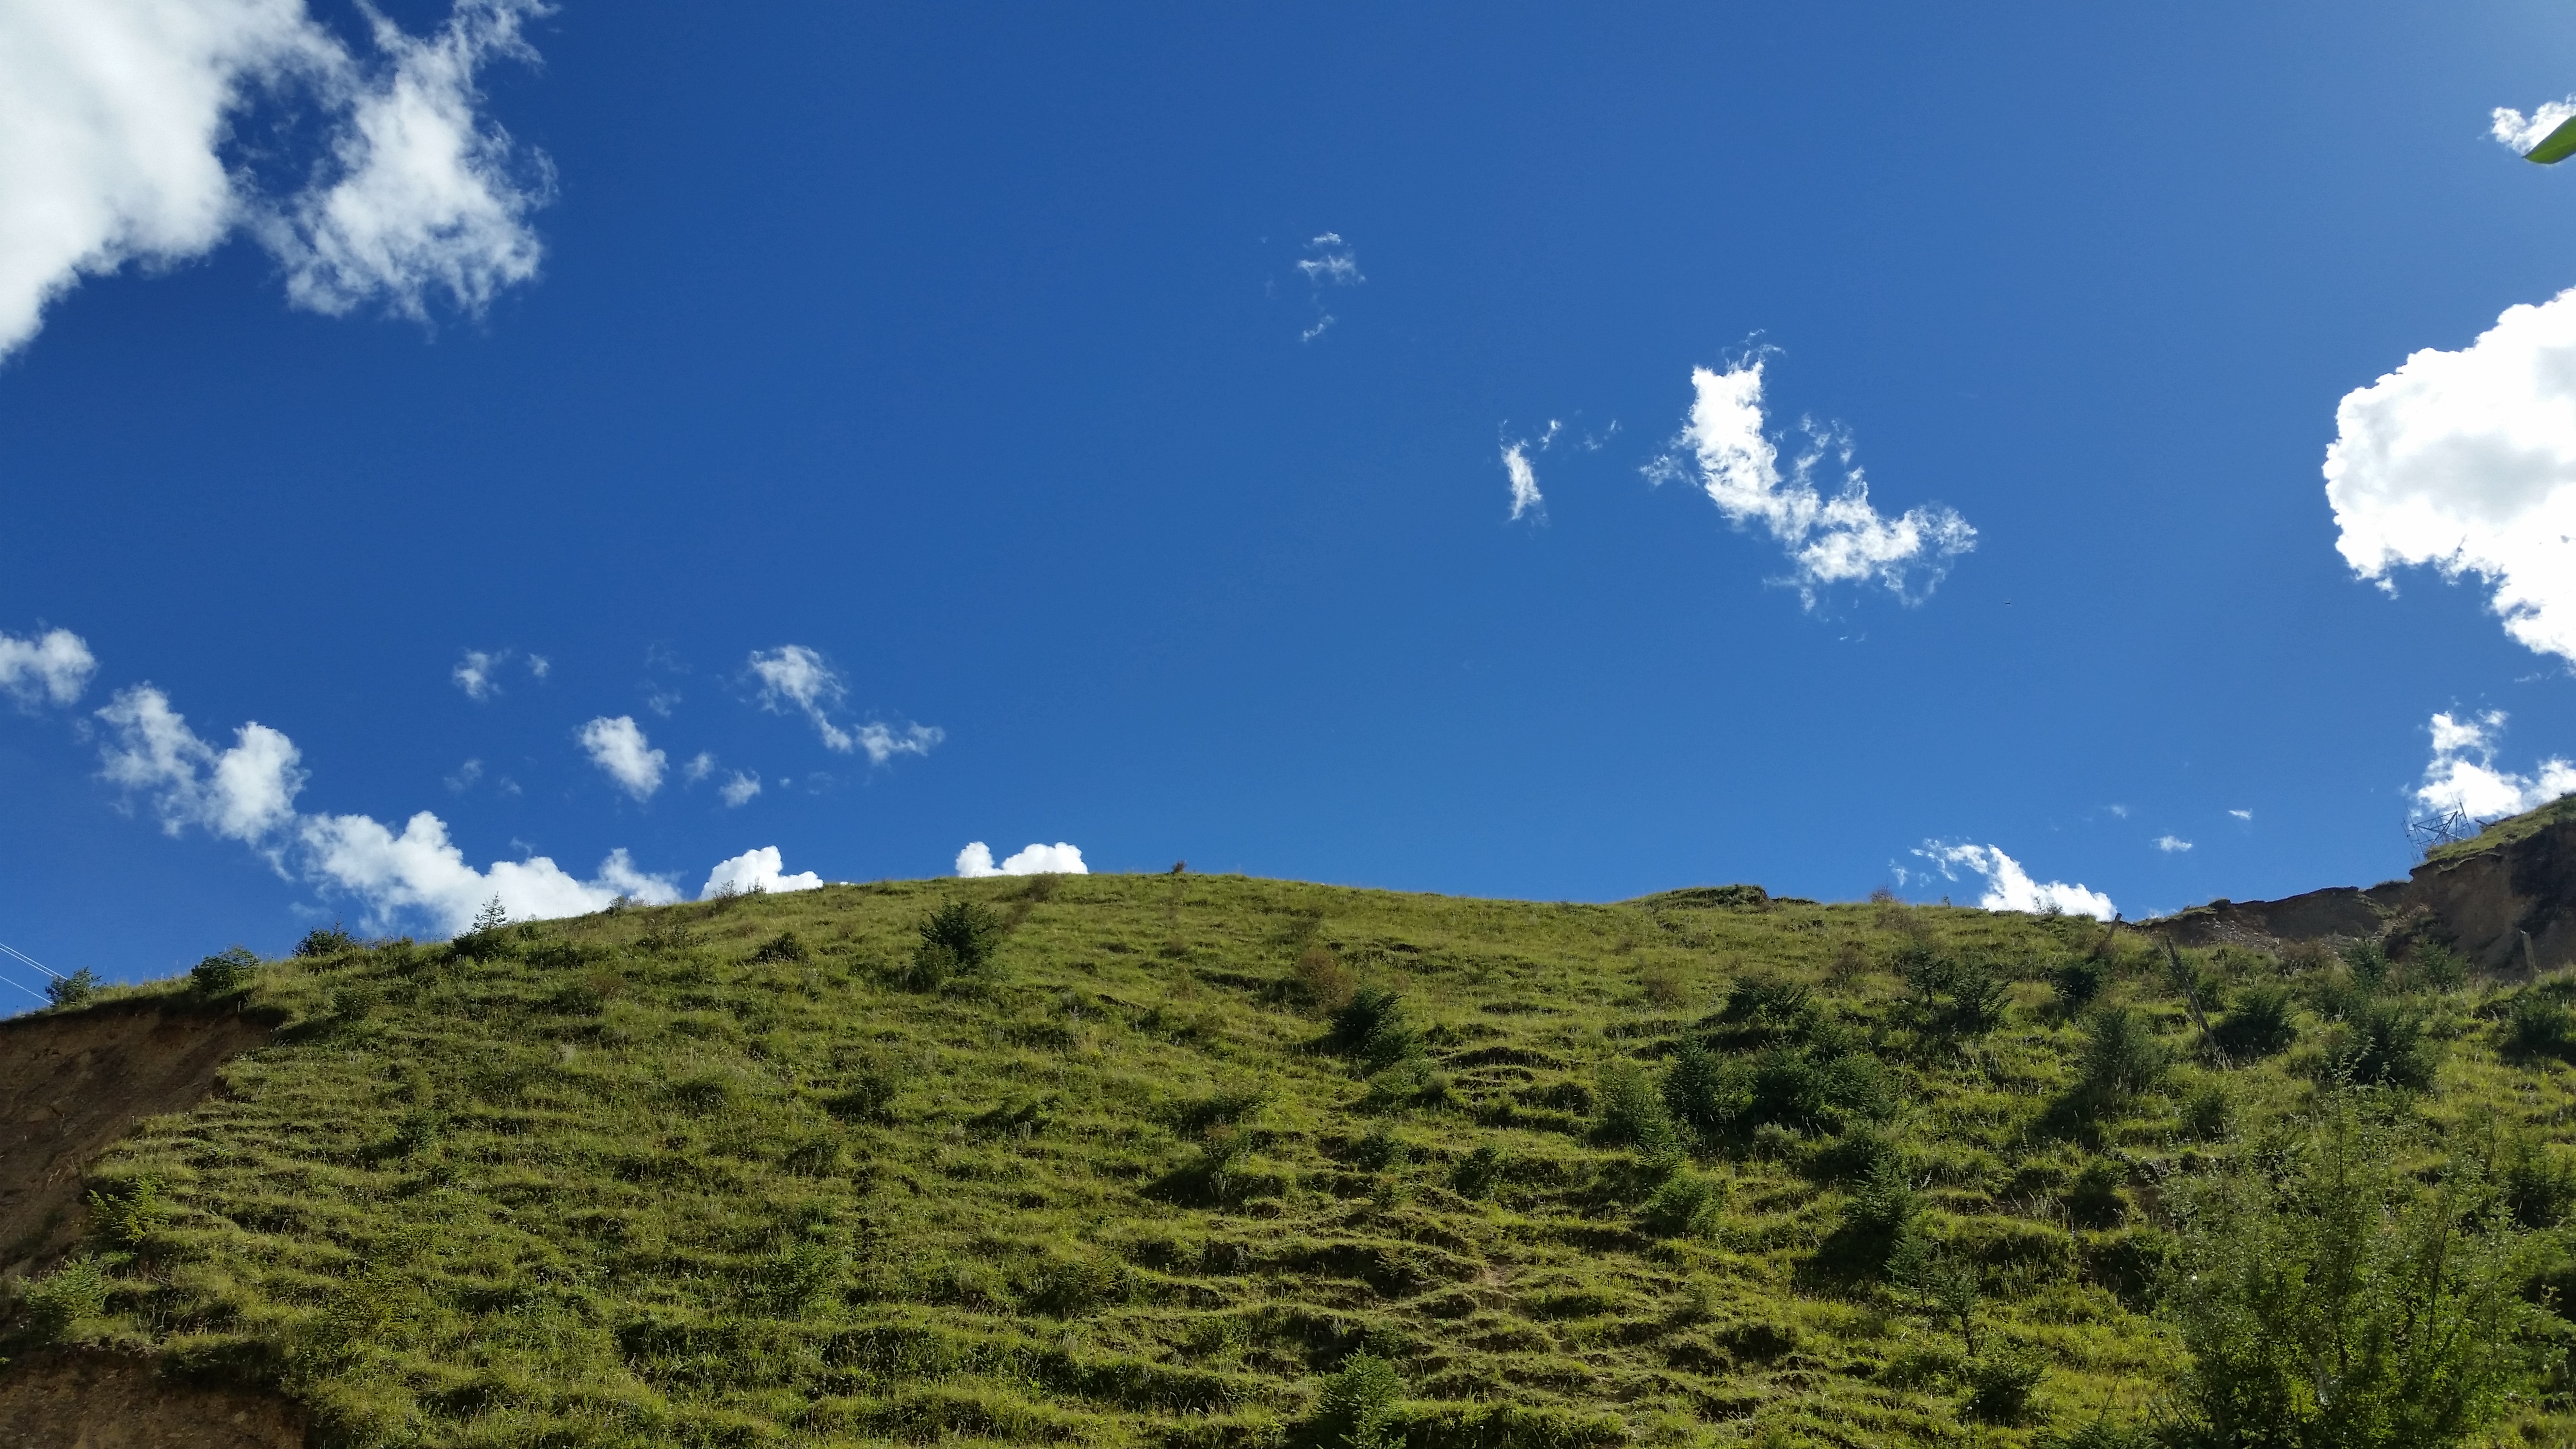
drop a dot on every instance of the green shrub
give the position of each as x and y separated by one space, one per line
2208 1112
1357 1407
1881 1216
2339 1305
2077 982
77 989
1633 1112
2093 1200
2367 960
2260 1024
2001 1382
1380 1150
1702 1094
2120 1057
868 1094
957 944
2536 1027
2436 967
2539 1185
1765 1006
1372 1027
780 948
1686 1205
58 1303
1857 1154
1479 1171
126 1217
1948 997
323 941
2381 1045
223 973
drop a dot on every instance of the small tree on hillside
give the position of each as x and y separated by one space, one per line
2341 1305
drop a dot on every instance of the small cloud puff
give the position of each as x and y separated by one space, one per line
793 677
739 788
2010 888
52 668
2245 815
1333 264
756 871
478 671
618 746
2171 844
1841 539
2463 775
976 860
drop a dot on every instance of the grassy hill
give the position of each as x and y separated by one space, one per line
1174 1168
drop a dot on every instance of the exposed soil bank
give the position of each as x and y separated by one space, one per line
74 1082
102 1401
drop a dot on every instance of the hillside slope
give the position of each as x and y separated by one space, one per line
734 1174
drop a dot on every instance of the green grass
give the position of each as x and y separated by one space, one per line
647 1178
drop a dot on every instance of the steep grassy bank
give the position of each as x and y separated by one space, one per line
739 1174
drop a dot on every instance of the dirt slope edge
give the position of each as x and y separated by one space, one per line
102 1401
73 1082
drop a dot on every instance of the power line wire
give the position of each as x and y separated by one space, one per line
32 961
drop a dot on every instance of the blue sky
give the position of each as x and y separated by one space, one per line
774 374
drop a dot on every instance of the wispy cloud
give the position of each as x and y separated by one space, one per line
618 746
2171 844
739 788
1829 540
478 671
1332 263
52 668
1057 859
2009 887
2245 815
793 677
2463 773
1524 479
2465 462
122 111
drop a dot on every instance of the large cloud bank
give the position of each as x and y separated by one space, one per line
125 121
2462 773
1829 540
246 792
2466 462
1058 859
2010 888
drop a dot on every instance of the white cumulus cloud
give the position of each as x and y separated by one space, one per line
247 793
123 119
52 668
756 870
2171 844
884 743
1524 478
618 746
793 677
473 673
739 788
2520 132
2010 888
242 793
2466 461
1829 540
2463 771
976 860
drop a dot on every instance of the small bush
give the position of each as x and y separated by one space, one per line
1357 1407
2121 1056
1949 997
2539 1185
1479 1171
2436 967
1371 1027
76 989
2077 982
2260 1026
2093 1200
2368 963
1857 1154
223 973
868 1097
957 943
1879 1217
1765 1006
1323 980
1380 1150
2536 1027
1072 1287
56 1304
798 1279
1687 1205
1702 1094
2001 1383
782 947
125 1218
2208 1112
1633 1113
2381 1045
323 941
